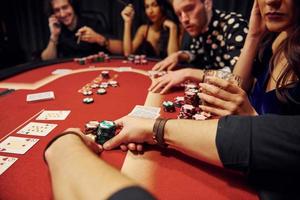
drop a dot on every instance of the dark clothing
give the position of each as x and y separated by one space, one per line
67 42
267 102
147 49
266 148
220 46
132 193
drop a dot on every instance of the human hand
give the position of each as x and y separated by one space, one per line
54 26
134 132
257 26
128 13
224 98
88 141
87 34
167 81
168 63
169 24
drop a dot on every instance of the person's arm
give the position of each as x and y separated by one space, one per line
51 50
183 135
114 46
173 78
170 62
77 173
245 62
173 43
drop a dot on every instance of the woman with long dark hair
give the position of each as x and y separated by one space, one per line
271 58
159 37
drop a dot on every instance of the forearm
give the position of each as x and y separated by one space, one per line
127 41
115 46
77 173
243 68
194 138
193 74
173 44
51 50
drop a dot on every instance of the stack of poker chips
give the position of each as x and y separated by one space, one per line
136 59
169 106
100 57
187 111
91 127
105 74
106 130
179 101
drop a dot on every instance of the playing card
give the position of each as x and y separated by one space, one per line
61 71
6 162
123 69
53 115
40 96
17 145
35 128
145 112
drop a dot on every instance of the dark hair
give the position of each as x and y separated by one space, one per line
290 48
167 11
49 10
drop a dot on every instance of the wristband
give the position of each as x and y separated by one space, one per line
158 132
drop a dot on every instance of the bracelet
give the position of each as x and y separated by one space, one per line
55 138
158 132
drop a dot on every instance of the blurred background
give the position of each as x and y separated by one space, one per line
24 28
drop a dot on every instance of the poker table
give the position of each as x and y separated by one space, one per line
166 173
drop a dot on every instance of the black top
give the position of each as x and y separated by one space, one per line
268 102
67 42
221 45
147 49
266 148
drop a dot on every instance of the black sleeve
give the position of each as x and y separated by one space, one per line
267 147
132 193
263 143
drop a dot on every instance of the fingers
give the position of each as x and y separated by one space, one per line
166 88
159 66
161 82
115 142
216 102
216 91
226 85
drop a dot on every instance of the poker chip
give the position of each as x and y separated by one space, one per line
88 100
113 83
94 85
105 74
179 101
87 92
103 85
169 106
101 91
106 130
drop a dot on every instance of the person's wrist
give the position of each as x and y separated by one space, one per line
60 142
54 39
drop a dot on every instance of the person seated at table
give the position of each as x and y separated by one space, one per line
270 57
267 152
218 38
159 37
72 35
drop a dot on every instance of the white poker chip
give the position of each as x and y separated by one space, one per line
88 100
113 83
101 91
87 92
103 85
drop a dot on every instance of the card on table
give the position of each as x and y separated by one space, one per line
35 128
61 71
145 112
6 162
53 115
40 96
123 69
17 145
